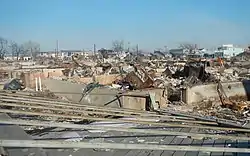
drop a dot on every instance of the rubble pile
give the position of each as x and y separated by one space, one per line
3 74
140 73
45 93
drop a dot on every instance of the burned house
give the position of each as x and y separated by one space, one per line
178 53
107 53
157 55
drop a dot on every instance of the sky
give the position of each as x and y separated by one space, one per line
78 24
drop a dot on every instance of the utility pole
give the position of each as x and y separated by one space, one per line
94 49
128 46
31 53
137 50
55 53
165 49
57 48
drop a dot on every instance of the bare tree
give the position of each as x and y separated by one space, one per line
3 47
118 46
134 49
13 47
16 50
31 49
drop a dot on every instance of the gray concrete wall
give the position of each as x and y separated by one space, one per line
198 93
140 103
65 86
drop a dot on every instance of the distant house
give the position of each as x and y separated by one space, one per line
180 52
69 53
47 54
228 50
8 57
61 54
194 56
107 53
42 54
21 57
159 54
209 54
26 58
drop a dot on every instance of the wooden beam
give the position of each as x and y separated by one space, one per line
119 129
228 123
72 104
87 107
64 144
85 113
82 117
128 121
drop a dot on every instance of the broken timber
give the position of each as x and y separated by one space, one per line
60 144
128 121
86 107
121 129
103 113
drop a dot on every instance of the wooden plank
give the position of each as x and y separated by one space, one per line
160 140
243 144
83 112
223 122
174 141
134 130
30 99
91 108
91 118
76 151
62 152
142 140
186 115
152 140
109 137
166 140
229 143
185 141
130 121
195 142
127 140
218 143
32 92
206 143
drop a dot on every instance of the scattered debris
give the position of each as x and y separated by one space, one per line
121 92
14 84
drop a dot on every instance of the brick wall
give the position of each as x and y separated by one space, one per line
29 78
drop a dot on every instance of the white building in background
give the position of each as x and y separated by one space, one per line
229 50
47 54
11 58
62 54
